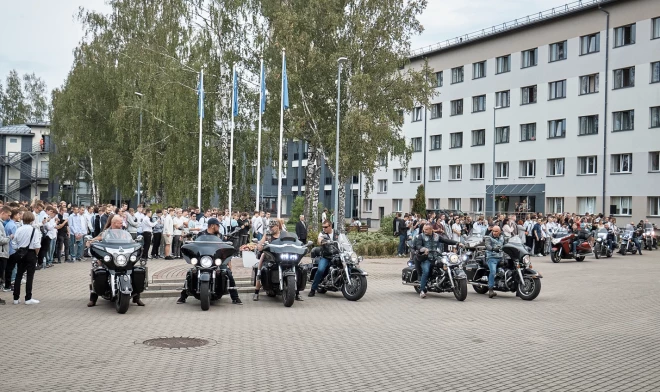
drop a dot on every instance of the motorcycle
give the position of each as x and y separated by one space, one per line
648 237
600 246
627 243
283 276
562 244
208 280
514 272
114 275
343 273
446 274
474 243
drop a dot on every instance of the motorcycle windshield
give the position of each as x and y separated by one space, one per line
344 243
560 233
288 244
648 227
116 236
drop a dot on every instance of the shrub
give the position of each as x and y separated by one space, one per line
386 225
297 209
419 203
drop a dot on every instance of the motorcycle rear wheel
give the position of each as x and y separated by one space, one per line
460 289
205 295
289 293
579 258
480 289
122 302
529 289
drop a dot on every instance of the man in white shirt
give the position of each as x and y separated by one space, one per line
257 226
168 232
177 223
140 217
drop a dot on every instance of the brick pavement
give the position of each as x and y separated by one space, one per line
593 328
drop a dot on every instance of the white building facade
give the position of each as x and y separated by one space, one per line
577 124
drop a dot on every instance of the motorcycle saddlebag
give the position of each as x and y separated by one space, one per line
101 285
254 274
409 275
471 270
301 279
139 279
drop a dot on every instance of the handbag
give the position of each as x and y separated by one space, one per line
22 252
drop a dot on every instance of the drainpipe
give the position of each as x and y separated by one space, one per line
607 56
424 147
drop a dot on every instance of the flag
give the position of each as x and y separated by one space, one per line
235 93
285 84
200 93
263 87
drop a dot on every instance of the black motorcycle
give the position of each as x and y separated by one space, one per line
627 244
514 272
208 280
343 273
601 247
283 275
114 275
649 242
446 274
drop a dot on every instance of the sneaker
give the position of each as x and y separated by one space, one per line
237 301
312 293
169 258
31 302
299 298
255 297
422 295
17 301
539 255
23 281
7 290
181 301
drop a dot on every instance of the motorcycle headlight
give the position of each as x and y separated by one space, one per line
193 261
464 258
445 259
555 241
206 261
218 262
107 258
354 257
133 258
526 260
453 258
359 259
121 260
599 240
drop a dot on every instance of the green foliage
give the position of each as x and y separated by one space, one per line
297 209
373 244
386 225
419 203
320 209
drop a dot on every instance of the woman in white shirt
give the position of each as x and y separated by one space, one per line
52 234
456 230
27 236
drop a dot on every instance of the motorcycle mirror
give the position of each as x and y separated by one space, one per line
139 238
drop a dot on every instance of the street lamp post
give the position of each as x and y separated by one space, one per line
341 61
140 145
495 109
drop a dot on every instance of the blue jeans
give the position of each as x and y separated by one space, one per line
574 246
492 271
638 244
323 265
51 251
259 236
402 244
426 269
75 247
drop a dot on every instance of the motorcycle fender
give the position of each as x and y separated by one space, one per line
289 272
531 273
459 274
125 286
359 271
205 277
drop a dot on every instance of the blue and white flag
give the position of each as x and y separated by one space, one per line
235 93
285 84
263 88
200 93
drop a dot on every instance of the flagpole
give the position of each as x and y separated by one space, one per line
261 97
199 165
231 140
279 166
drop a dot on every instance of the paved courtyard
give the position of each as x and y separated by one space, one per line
595 327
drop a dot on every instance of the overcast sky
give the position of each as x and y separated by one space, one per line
39 35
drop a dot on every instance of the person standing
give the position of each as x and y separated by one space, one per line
157 234
177 223
27 242
168 232
132 223
301 229
147 227
257 226
494 243
5 212
51 233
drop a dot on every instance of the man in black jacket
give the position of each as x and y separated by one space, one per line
301 229
428 246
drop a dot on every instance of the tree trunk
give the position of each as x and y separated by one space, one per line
95 196
312 179
342 206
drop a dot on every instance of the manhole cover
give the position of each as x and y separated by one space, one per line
175 342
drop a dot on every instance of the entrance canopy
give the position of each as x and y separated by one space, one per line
516 189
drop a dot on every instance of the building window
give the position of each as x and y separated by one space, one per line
624 35
588 125
13 140
528 168
397 205
382 186
416 143
478 103
590 43
556 129
368 205
556 205
558 51
479 70
436 110
456 140
588 84
655 28
624 121
479 137
503 64
654 161
382 159
655 72
417 114
621 205
528 95
398 175
477 171
622 163
557 89
530 57
624 77
527 132
416 174
556 167
456 75
434 204
435 173
501 135
654 206
457 107
455 172
586 204
502 99
477 205
587 165
502 170
655 117
455 204
438 79
436 142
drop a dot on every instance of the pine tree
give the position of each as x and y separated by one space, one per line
419 203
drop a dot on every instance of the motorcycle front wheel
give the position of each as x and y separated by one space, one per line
289 293
555 257
597 252
122 302
529 289
205 295
357 287
460 289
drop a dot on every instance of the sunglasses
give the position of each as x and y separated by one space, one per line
325 227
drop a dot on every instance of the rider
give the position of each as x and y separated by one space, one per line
637 237
213 229
494 243
423 244
275 231
581 234
610 236
115 224
326 235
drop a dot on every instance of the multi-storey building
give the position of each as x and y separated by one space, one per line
555 108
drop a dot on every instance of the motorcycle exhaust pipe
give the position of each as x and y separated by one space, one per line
478 284
410 284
